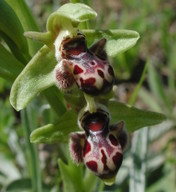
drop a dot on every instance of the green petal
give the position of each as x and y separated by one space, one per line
117 40
36 77
134 118
57 132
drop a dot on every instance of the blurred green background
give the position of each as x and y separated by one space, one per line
150 159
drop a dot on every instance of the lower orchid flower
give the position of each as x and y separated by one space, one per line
100 146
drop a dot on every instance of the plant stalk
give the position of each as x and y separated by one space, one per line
28 123
91 105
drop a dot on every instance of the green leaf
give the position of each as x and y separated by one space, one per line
20 55
10 67
36 77
27 20
11 26
71 175
23 185
166 181
57 132
157 87
117 40
134 118
148 99
56 100
138 167
5 165
90 180
70 12
29 121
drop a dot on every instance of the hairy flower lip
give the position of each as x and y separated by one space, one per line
63 77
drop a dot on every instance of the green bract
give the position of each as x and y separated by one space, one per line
35 77
134 119
58 131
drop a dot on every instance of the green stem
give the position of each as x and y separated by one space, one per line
91 105
28 122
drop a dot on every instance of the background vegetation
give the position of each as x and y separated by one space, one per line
150 159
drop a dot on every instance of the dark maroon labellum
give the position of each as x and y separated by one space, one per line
101 150
90 68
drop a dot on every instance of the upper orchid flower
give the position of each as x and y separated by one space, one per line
65 59
89 68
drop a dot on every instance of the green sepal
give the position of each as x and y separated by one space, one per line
74 13
57 132
35 77
67 18
134 118
117 40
